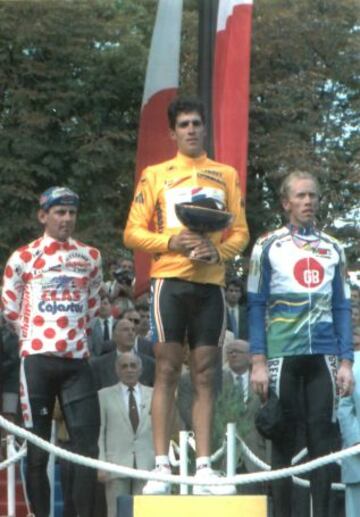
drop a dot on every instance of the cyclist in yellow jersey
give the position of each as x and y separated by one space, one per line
187 272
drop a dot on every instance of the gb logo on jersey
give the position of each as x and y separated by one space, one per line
309 272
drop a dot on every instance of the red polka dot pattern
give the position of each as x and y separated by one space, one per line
62 322
38 320
60 345
49 333
52 288
11 295
72 334
25 256
9 272
36 344
39 263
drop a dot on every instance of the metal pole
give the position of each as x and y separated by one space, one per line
184 453
230 449
10 452
51 470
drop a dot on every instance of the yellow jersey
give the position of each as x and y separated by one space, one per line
152 219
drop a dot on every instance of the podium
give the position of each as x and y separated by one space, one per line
191 506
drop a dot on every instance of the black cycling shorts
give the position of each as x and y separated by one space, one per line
182 309
45 377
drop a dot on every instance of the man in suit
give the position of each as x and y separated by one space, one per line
236 309
101 328
236 376
123 341
125 431
142 345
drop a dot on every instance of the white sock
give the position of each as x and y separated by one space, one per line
203 462
162 461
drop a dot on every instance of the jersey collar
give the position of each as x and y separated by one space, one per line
191 162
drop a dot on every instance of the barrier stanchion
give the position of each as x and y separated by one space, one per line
51 470
230 449
184 457
10 453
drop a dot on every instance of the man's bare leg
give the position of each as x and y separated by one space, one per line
203 366
169 357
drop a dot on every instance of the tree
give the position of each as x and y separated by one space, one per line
305 108
71 76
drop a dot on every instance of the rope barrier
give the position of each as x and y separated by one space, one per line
255 460
188 480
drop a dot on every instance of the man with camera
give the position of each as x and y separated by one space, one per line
187 279
120 288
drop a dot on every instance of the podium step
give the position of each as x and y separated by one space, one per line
192 506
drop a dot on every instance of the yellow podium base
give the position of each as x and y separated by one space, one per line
192 506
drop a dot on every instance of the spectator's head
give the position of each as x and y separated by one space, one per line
187 125
355 296
133 316
238 356
300 194
128 368
144 313
124 335
58 212
105 310
233 292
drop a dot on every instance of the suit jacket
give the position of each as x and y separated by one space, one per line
104 371
349 419
144 346
97 345
117 441
258 445
242 322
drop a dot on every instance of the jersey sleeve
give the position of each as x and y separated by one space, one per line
13 290
137 234
341 308
237 237
94 287
258 293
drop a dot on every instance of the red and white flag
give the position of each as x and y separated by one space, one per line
161 83
231 80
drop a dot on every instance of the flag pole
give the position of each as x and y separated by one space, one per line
206 43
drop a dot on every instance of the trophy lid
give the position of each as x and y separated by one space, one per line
203 216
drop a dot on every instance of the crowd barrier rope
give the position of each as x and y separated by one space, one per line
174 478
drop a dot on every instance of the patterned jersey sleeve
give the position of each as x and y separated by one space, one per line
258 293
13 290
94 286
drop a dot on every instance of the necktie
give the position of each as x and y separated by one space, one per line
106 330
234 321
240 386
133 412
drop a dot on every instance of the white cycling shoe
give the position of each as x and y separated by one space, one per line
208 474
154 487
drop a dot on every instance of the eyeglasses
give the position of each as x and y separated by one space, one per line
126 366
136 321
185 123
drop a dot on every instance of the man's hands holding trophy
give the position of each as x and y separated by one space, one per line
195 246
200 218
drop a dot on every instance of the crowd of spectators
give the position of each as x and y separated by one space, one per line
121 349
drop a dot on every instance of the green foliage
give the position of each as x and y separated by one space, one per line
229 407
71 83
71 76
305 107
